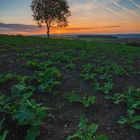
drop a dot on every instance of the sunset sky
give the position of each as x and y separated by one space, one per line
88 16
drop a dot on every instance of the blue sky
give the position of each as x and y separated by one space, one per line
85 13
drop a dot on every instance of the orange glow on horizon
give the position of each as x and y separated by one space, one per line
100 29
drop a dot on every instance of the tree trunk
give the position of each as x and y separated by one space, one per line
48 31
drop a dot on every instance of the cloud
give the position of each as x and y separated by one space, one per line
99 27
28 28
137 5
76 29
22 28
112 26
111 10
89 6
18 27
126 9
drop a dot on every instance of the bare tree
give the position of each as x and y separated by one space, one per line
50 13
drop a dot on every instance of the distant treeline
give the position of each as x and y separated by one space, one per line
96 36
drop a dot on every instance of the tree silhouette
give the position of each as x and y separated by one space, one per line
50 13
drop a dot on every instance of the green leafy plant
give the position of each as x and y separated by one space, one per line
87 131
31 64
45 65
102 79
101 69
29 113
117 98
131 120
88 76
38 65
3 134
88 72
5 104
32 114
106 77
117 70
132 99
86 100
105 88
21 90
23 109
70 66
87 68
6 77
46 80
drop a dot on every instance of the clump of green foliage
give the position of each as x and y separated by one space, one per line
23 109
46 80
132 100
3 133
6 77
32 64
105 87
32 114
86 100
70 66
87 131
102 80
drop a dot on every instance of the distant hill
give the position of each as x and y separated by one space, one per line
97 36
109 36
136 36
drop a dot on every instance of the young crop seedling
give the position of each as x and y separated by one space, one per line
105 87
87 131
83 55
32 64
87 72
87 68
46 80
5 105
110 68
116 69
101 69
64 56
102 80
3 133
106 77
21 90
38 65
70 66
132 99
32 114
7 77
117 98
86 100
88 76
45 65
131 120
23 109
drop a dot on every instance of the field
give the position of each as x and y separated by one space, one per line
62 89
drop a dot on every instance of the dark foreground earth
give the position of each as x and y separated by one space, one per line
85 68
